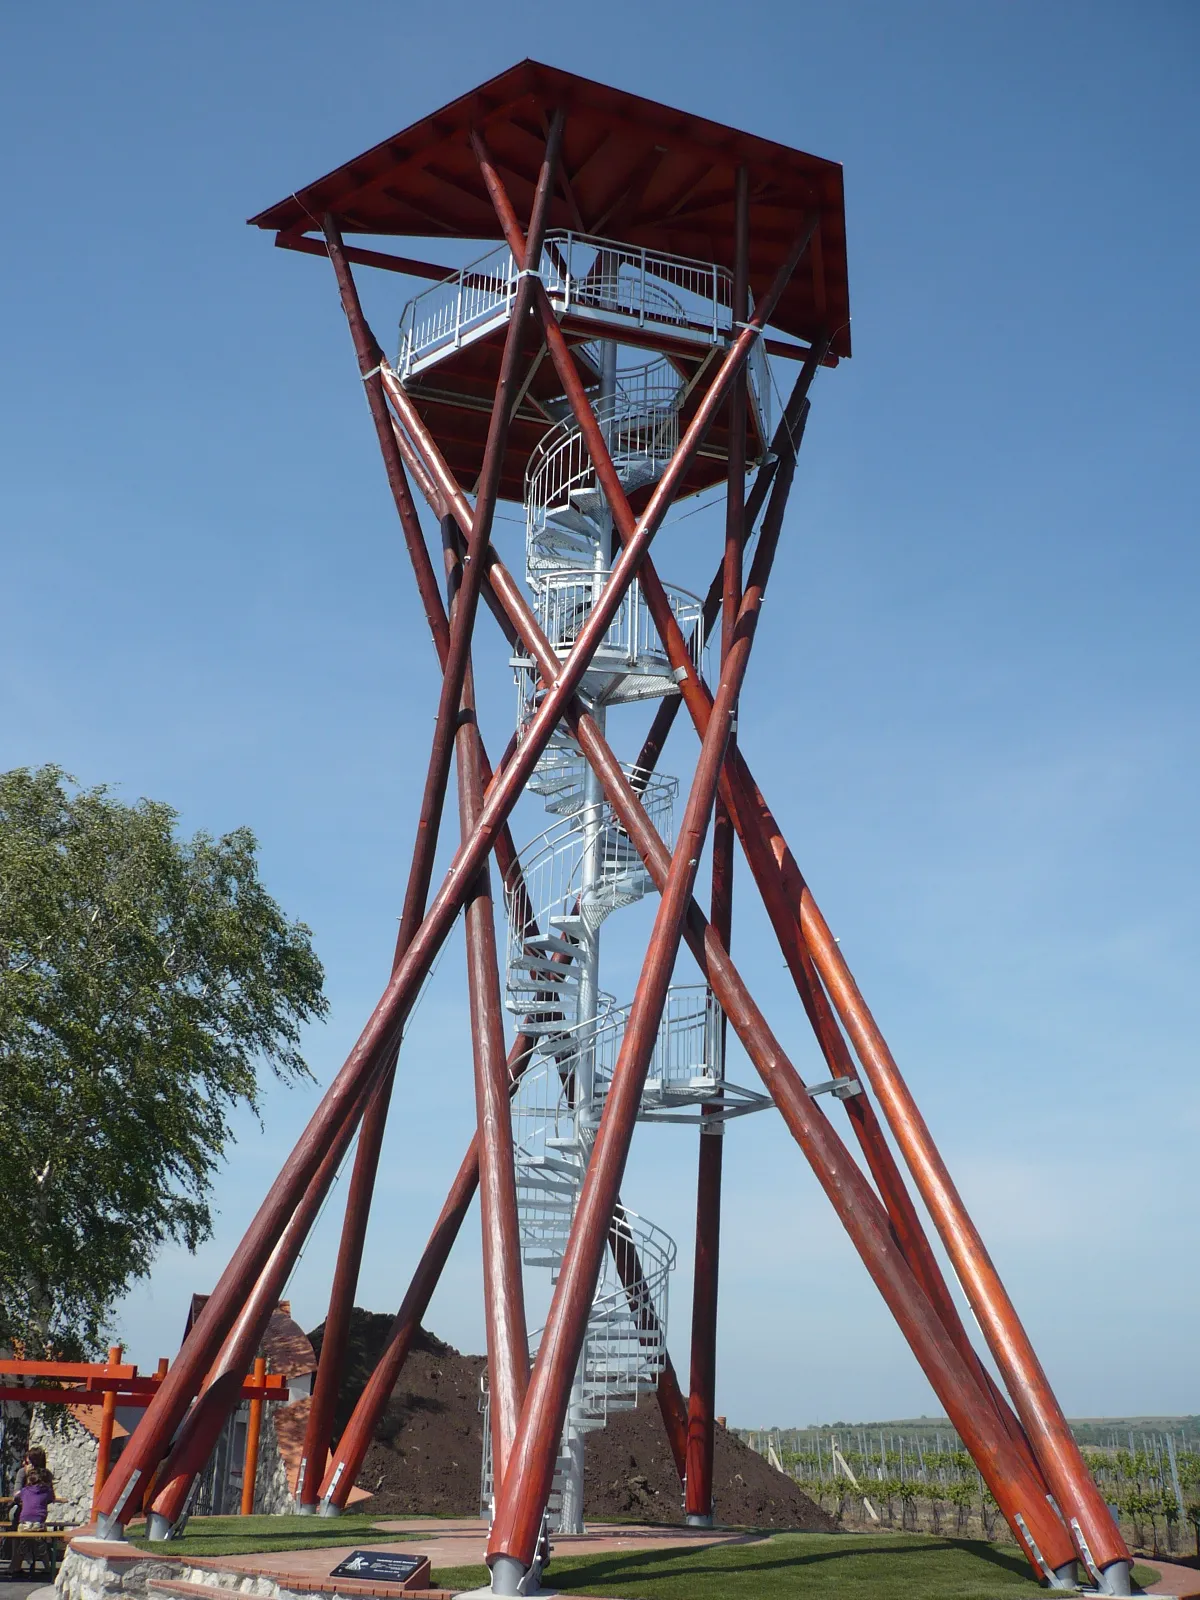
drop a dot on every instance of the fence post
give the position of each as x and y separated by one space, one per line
108 1416
253 1434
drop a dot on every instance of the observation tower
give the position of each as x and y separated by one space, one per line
642 289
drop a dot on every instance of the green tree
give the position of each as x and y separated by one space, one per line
961 1495
909 1492
1192 1512
145 982
989 1511
888 1489
935 1494
1133 1504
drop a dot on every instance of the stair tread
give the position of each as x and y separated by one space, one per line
552 1164
573 520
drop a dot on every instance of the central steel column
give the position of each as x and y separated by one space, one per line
591 870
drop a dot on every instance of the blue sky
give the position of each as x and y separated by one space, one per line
973 699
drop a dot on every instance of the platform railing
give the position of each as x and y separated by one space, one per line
641 427
687 1051
588 275
564 600
552 875
624 1348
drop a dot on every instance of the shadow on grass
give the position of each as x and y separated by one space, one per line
641 1563
236 1536
783 1564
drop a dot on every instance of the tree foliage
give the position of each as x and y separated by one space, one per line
146 980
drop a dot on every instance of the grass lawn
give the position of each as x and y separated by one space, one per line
239 1536
806 1566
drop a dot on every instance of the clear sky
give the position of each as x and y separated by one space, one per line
973 700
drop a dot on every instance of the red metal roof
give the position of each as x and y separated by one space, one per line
633 170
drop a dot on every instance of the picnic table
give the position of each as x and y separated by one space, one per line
35 1544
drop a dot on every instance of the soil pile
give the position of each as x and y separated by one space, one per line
425 1456
629 1472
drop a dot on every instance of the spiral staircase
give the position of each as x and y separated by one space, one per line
574 876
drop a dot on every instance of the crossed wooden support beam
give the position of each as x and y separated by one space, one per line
1025 1451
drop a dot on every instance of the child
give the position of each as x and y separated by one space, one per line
33 1502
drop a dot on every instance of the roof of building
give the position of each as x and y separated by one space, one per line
632 170
89 1418
285 1344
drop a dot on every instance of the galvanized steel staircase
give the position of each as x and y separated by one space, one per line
575 875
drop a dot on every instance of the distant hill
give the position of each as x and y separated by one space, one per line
1095 1431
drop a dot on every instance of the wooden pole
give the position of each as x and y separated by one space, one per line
1015 1482
253 1434
698 1483
504 1299
108 1416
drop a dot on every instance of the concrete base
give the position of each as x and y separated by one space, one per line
697 1519
1115 1579
527 1584
491 1594
508 1577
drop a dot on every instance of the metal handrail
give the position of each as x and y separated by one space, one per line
564 600
581 273
624 1347
641 427
687 1049
550 879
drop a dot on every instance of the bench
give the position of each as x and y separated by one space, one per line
41 1545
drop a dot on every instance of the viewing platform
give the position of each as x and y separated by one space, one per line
599 288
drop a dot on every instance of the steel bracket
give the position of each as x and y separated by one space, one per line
839 1088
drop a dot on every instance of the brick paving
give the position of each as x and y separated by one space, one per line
1183 1582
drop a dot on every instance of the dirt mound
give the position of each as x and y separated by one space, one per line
426 1452
629 1472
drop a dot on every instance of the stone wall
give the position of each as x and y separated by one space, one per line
271 1495
113 1572
14 1430
87 1576
71 1453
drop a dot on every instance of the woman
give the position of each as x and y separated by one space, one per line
35 1492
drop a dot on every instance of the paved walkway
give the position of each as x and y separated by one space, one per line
1181 1581
462 1542
457 1542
